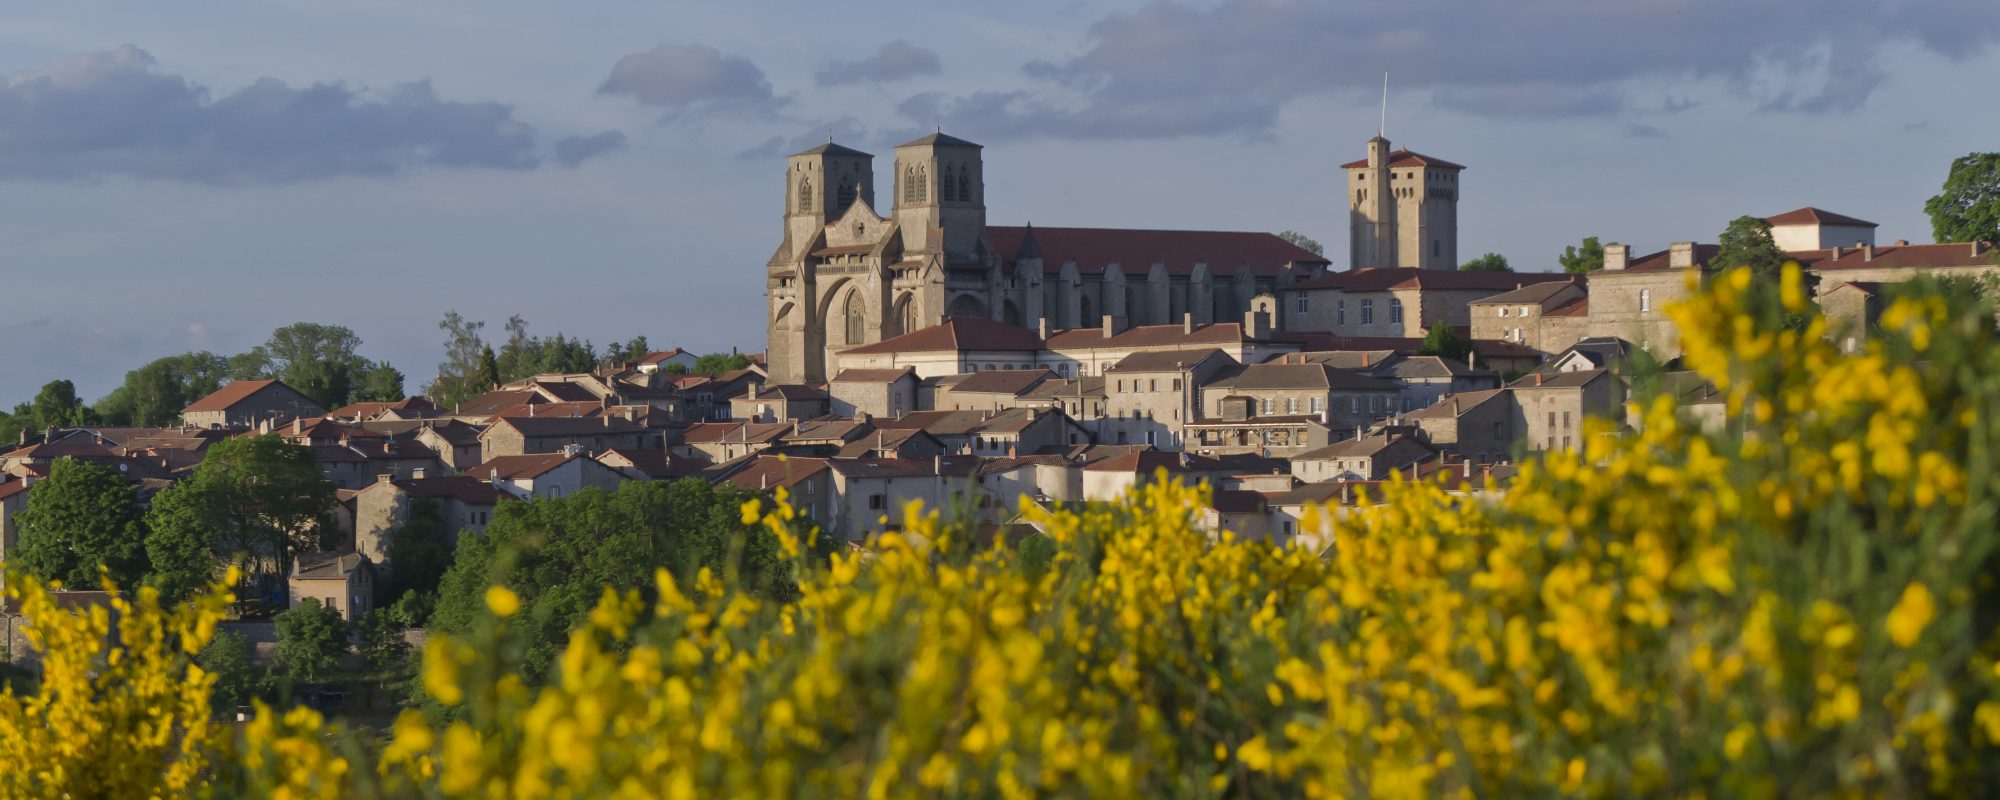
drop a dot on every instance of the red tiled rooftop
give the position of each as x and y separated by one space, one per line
227 397
1404 157
1135 251
1811 216
955 334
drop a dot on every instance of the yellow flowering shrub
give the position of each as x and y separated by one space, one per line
1801 604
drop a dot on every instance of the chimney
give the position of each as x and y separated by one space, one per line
1538 379
384 478
417 473
1680 255
1365 358
1867 252
1042 328
1468 469
1187 322
1836 252
764 481
298 425
1902 243
796 427
937 464
1617 256
1111 325
1256 324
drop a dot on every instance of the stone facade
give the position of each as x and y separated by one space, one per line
1553 407
1402 209
246 403
1150 397
875 393
1483 427
382 508
846 275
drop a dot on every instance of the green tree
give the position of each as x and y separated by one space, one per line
380 383
255 496
718 363
1580 260
153 395
524 355
55 406
83 516
1968 209
316 359
560 555
1491 262
616 355
459 376
311 640
489 370
1443 340
1303 241
1747 243
419 553
231 658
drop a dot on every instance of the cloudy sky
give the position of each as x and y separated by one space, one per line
190 175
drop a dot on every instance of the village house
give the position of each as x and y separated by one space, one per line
1399 302
873 392
761 403
1553 407
243 404
808 482
1285 408
871 493
1370 457
546 475
1547 316
344 582
667 361
1482 427
1109 479
650 465
382 508
512 436
719 442
1013 431
1151 396
993 390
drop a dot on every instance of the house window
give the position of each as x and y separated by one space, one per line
1177 384
1291 405
1152 384
1552 421
1524 311
878 502
1565 420
1645 299
1503 311
1265 406
1340 312
1368 312
1354 405
1315 403
1395 311
1302 302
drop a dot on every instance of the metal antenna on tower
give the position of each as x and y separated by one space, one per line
1383 129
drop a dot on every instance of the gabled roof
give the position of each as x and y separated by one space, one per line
658 356
718 432
789 392
1146 461
495 401
873 375
1300 376
1579 307
1220 334
522 467
1366 447
1815 216
1560 380
1404 157
327 566
772 472
1427 367
949 466
938 139
828 149
1903 256
1381 279
654 464
569 426
1088 386
1452 405
1166 360
369 410
1095 250
885 439
1531 294
1010 382
963 423
463 488
956 334
228 396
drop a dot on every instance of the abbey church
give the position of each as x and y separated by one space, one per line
848 274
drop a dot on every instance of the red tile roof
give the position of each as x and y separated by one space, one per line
1379 279
1094 250
569 426
1011 382
956 334
1403 157
227 397
11 488
1811 216
661 355
1220 334
520 467
1908 256
1579 307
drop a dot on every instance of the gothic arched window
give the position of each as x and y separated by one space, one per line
805 194
857 322
964 185
910 184
846 197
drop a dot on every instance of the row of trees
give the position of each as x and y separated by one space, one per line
473 366
253 496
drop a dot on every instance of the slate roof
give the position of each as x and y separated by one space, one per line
1134 251
569 426
1010 382
1165 360
829 149
1146 461
938 139
956 334
1381 279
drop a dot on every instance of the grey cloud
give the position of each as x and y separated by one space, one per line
114 113
895 61
571 151
1645 132
1171 69
686 80
846 130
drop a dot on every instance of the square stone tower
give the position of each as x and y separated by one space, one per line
1402 209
